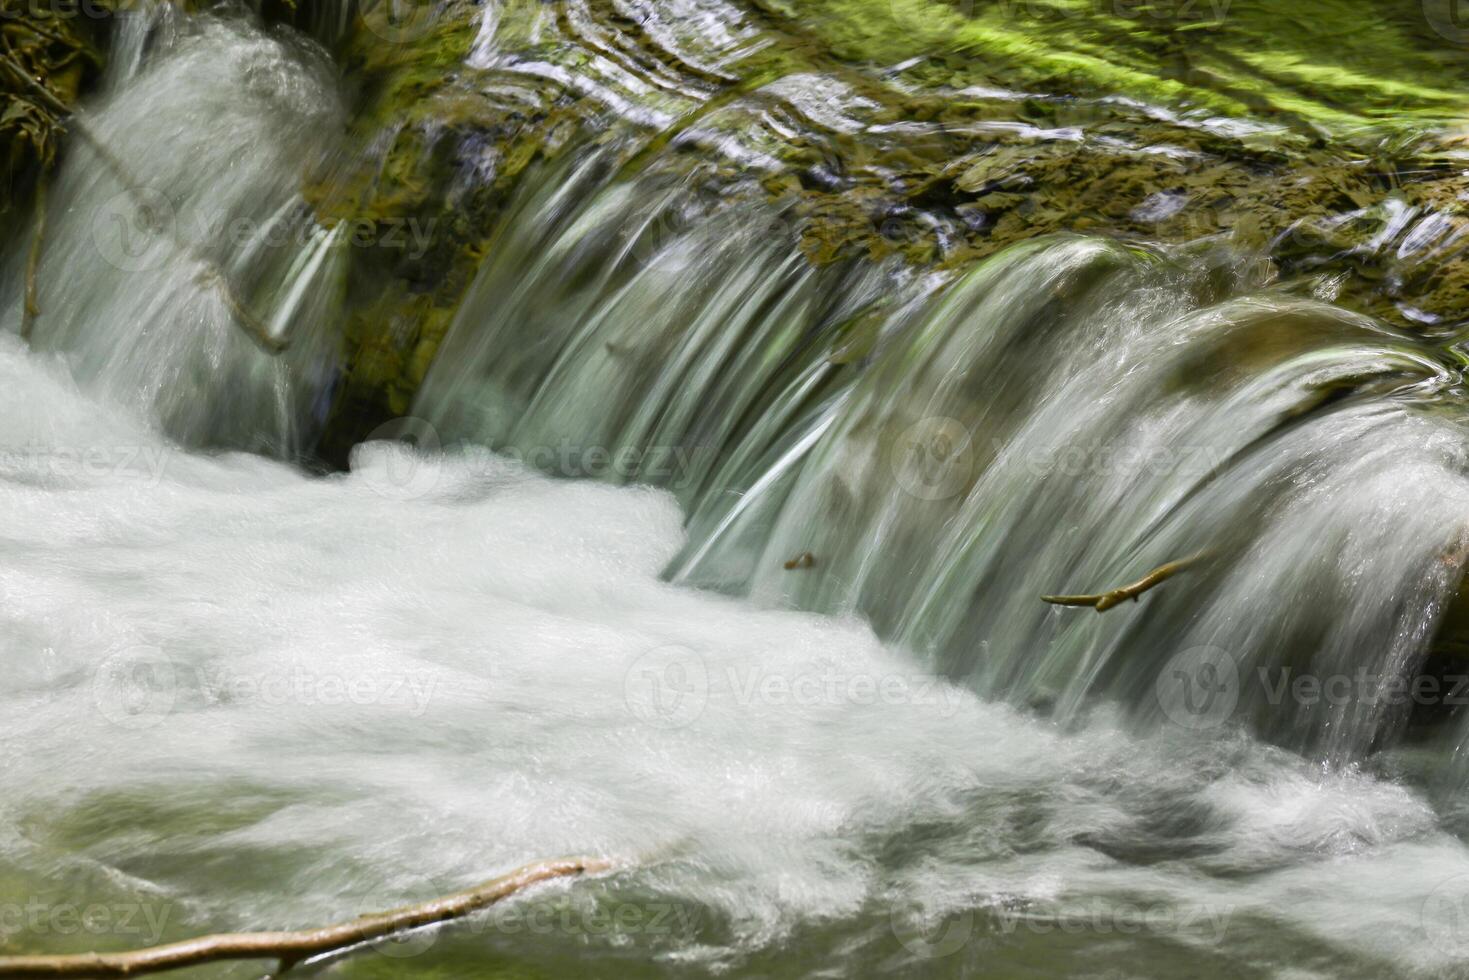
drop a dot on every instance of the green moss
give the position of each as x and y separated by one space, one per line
1339 98
1336 63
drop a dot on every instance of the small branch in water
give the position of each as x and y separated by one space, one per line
1106 600
293 947
33 261
214 276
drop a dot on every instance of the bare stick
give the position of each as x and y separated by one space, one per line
213 275
1106 600
292 947
32 307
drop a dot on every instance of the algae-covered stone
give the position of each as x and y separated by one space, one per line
933 131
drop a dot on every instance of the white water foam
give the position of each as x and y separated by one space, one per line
266 699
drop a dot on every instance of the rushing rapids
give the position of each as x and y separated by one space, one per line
1067 413
794 675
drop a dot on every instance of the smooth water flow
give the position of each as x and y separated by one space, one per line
1062 419
792 673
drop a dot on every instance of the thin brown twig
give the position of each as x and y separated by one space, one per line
213 275
1103 601
294 946
32 307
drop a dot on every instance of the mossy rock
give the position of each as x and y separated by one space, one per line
1167 123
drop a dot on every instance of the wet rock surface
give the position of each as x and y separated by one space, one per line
935 133
942 159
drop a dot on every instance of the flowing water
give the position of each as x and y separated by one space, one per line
243 695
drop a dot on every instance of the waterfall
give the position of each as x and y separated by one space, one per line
932 452
715 556
1062 418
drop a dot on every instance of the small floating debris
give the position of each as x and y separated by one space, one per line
804 560
1103 601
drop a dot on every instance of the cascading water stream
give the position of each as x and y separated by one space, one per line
1062 419
191 234
243 696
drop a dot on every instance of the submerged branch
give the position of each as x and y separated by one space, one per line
32 308
1103 601
293 947
213 275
